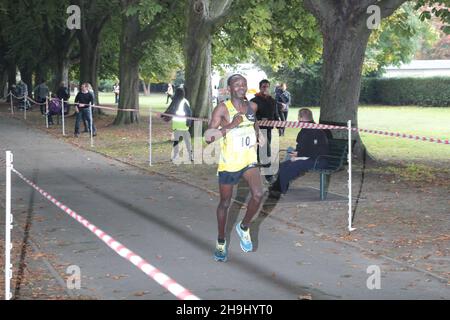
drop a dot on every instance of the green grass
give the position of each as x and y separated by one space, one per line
157 101
422 121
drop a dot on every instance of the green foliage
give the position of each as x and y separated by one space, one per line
398 39
438 9
110 49
145 9
278 32
161 61
410 91
106 85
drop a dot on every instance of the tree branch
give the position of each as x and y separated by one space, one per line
219 10
147 33
319 8
389 6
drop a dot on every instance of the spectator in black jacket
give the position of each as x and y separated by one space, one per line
82 100
311 143
267 110
63 93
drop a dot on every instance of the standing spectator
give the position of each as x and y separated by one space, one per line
63 93
91 91
267 110
169 92
22 94
40 95
82 100
116 89
180 125
283 102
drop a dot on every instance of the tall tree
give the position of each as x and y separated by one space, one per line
94 16
142 22
345 31
203 18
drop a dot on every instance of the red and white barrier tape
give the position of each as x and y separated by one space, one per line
171 285
114 109
173 115
297 124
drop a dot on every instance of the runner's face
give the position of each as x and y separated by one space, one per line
238 88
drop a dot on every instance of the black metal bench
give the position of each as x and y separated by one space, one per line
336 158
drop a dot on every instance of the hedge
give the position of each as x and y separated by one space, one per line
387 91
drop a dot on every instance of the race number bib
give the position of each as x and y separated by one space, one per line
243 141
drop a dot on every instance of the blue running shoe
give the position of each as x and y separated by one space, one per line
220 254
246 241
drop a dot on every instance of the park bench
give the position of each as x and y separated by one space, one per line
337 158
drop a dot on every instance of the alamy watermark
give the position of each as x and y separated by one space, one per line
74 280
374 20
374 281
74 20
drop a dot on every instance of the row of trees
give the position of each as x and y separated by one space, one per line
151 39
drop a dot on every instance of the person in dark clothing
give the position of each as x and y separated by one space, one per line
63 93
54 108
41 94
283 99
311 143
267 110
82 100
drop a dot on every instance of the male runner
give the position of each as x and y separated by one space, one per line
236 128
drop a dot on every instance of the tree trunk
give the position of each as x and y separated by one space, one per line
3 81
198 63
343 57
26 75
345 36
12 73
89 59
41 71
62 72
129 71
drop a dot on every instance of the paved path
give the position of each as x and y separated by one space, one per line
173 226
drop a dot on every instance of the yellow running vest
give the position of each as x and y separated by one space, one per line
238 147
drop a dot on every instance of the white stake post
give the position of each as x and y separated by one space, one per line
11 102
8 224
150 137
349 124
90 124
46 112
62 118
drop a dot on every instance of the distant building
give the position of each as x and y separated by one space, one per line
419 69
